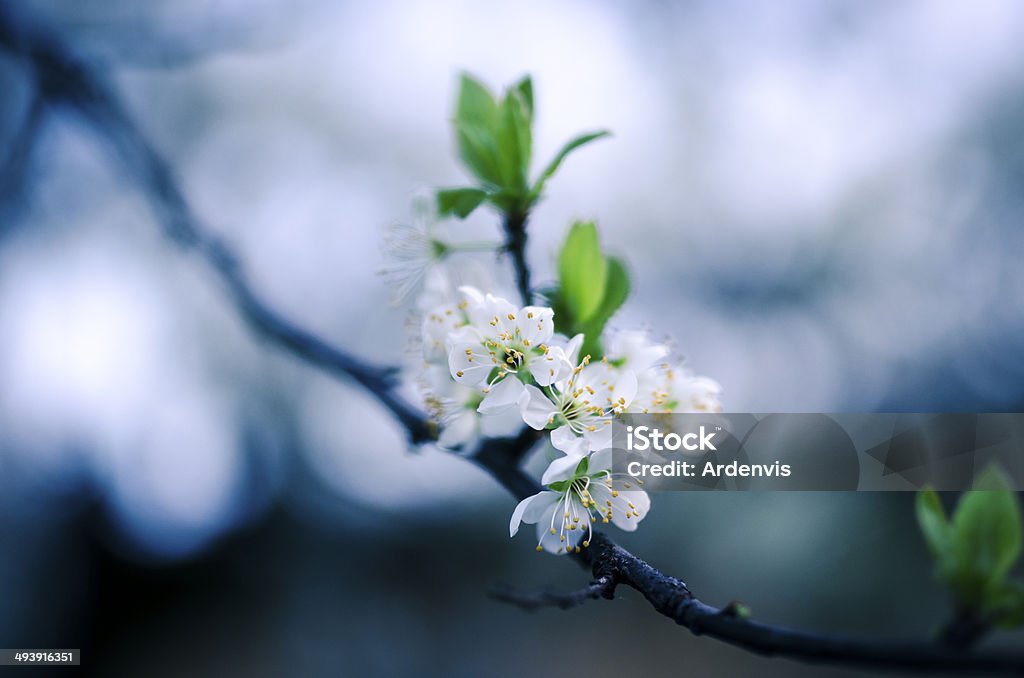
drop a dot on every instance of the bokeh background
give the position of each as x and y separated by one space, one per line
821 203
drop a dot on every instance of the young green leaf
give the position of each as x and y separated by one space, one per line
582 271
616 289
1005 605
987 529
459 201
975 550
476 105
479 152
476 122
514 142
525 89
569 147
932 520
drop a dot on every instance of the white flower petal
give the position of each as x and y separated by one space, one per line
502 396
565 439
562 468
535 407
553 543
501 424
601 437
635 348
531 509
601 460
572 349
469 369
472 295
536 324
623 515
625 388
551 367
458 430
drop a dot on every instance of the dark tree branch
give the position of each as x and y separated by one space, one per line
502 458
65 80
672 598
514 225
530 601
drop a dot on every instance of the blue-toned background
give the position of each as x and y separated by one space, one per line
821 205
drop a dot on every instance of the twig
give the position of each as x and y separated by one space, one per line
63 79
531 601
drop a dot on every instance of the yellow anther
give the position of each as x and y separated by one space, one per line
539 547
529 314
460 373
511 317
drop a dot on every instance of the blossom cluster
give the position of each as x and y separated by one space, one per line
492 367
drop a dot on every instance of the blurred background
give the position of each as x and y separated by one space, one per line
821 204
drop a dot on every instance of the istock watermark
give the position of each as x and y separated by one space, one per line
844 451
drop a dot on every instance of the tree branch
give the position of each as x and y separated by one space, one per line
602 586
65 80
514 225
672 598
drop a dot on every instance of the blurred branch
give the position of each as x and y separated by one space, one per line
15 167
530 601
65 80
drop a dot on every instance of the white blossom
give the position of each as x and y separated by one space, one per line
412 252
662 387
668 389
581 406
454 408
579 492
501 346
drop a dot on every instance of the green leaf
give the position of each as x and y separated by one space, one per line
986 538
478 151
476 122
569 147
476 105
514 142
1005 605
525 89
616 290
459 201
932 520
582 271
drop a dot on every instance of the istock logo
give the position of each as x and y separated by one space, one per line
646 438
